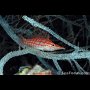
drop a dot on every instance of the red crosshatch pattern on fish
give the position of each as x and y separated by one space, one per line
42 44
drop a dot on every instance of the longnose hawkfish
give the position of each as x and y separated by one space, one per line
41 43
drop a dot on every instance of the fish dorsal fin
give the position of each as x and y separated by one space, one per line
41 36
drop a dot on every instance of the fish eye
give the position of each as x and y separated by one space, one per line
53 45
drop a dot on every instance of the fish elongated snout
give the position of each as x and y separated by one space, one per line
59 47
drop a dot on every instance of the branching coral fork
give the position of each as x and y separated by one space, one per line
42 54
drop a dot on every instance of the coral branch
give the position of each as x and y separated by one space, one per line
47 65
47 55
68 21
58 67
9 31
